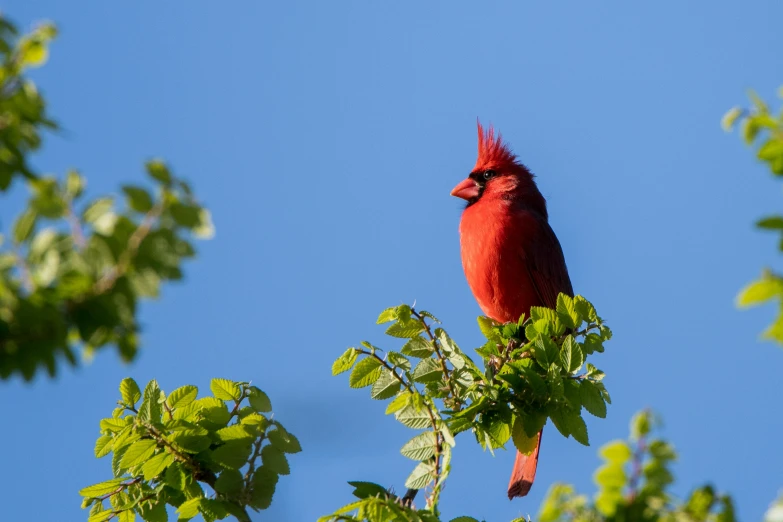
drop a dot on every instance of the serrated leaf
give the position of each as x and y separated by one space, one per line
232 455
420 477
591 399
345 362
189 508
192 441
417 347
264 482
399 402
150 409
275 460
365 373
386 386
229 482
129 391
487 327
545 351
405 330
566 311
236 432
412 418
225 390
138 452
367 489
103 446
428 370
182 396
420 447
259 400
102 488
156 465
390 314
571 355
284 440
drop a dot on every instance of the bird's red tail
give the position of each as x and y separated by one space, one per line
524 472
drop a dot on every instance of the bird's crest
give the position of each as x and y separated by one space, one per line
491 149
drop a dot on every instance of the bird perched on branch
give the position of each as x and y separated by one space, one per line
511 257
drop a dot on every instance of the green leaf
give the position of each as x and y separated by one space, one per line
417 347
259 400
187 216
591 399
578 429
616 451
428 370
284 440
390 314
365 373
138 452
399 402
420 447
398 360
545 351
264 482
641 423
97 209
229 482
156 465
102 488
421 476
158 170
522 441
130 391
345 362
232 455
138 198
771 223
275 460
24 225
182 396
406 330
413 418
189 508
225 390
488 328
192 441
610 476
150 409
759 291
103 446
385 387
571 355
367 489
567 312
236 432
730 118
771 149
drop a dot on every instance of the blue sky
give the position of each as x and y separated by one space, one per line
325 138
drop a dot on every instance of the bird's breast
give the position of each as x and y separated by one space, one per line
492 244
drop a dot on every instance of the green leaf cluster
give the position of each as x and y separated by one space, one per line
530 371
763 129
165 448
633 484
73 269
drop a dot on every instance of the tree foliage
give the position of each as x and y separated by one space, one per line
531 371
633 485
73 268
763 129
166 448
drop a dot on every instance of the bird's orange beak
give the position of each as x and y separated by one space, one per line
467 189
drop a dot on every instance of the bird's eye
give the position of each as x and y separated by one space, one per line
489 174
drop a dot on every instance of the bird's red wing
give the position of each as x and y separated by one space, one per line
546 264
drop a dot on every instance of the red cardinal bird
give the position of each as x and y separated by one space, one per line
511 257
